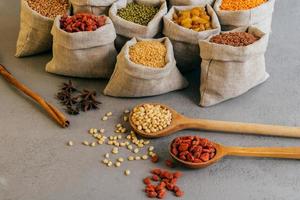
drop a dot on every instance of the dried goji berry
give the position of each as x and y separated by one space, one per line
205 157
170 163
156 171
183 147
147 181
179 193
177 174
152 194
155 177
155 158
161 194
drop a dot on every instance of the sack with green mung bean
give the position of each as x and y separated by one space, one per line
137 80
35 27
190 2
184 40
137 18
96 7
87 54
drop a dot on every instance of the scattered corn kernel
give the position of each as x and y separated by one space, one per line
108 114
151 148
115 150
136 150
127 172
130 158
117 164
126 111
70 143
144 157
120 159
85 143
104 118
137 158
109 164
106 155
105 161
93 144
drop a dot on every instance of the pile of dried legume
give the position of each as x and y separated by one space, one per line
139 148
148 53
193 149
151 118
81 22
235 39
138 13
240 4
196 19
49 8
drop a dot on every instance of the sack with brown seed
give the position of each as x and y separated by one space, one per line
34 36
136 80
96 7
260 16
190 2
185 41
228 71
127 29
88 54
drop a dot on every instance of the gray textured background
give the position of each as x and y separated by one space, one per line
35 163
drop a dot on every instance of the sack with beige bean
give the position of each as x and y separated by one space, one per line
96 7
260 16
83 54
227 71
127 30
136 80
34 36
185 41
190 2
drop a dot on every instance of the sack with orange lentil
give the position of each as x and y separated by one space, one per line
134 77
241 13
229 71
185 36
190 2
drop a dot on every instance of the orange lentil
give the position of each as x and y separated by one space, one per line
240 4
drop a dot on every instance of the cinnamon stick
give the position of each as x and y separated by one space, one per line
51 110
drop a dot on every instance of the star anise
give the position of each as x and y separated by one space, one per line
63 95
72 111
89 105
68 87
70 101
88 95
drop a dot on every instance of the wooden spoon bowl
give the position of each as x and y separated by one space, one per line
180 122
222 151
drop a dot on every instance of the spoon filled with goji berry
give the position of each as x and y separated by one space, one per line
197 152
152 120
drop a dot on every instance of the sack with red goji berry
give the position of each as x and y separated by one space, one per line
127 29
135 80
260 16
96 7
229 71
88 54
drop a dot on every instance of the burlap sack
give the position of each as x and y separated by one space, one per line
96 7
126 29
190 2
261 17
135 80
227 71
83 54
34 36
185 41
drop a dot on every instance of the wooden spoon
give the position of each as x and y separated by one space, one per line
265 152
180 122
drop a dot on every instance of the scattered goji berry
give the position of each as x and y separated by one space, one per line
155 177
155 158
147 181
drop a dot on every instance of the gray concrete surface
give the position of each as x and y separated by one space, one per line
36 164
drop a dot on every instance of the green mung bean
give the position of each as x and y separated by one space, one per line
137 13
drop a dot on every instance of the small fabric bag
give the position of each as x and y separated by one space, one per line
135 80
260 16
127 29
190 2
227 71
96 7
83 54
185 41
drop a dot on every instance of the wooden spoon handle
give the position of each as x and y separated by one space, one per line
238 127
268 152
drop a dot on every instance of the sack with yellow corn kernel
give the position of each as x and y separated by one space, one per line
185 26
136 80
190 2
260 16
96 7
228 72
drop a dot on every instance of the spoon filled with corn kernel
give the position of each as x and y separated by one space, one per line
153 120
197 152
